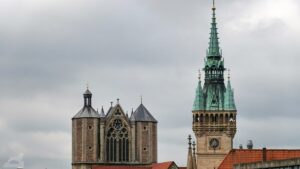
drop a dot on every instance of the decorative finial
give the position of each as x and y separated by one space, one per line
214 7
228 74
141 99
194 148
118 100
132 111
190 138
87 85
199 75
111 104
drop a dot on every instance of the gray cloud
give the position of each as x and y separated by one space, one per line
49 50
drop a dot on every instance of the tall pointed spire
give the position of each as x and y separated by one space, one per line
213 49
190 156
198 102
102 114
229 96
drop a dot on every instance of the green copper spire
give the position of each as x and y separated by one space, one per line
214 96
198 102
229 96
213 49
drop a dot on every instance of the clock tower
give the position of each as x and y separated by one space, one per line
214 111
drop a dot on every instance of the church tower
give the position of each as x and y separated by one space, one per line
214 111
85 131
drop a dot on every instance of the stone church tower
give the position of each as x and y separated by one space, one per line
214 111
112 138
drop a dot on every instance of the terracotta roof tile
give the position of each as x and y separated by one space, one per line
120 167
237 156
164 165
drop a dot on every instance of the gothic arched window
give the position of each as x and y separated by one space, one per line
117 142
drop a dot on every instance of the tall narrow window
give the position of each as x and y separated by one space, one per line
117 144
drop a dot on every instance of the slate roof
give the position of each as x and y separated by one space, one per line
87 92
241 156
87 112
142 114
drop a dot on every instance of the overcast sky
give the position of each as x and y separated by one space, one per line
50 49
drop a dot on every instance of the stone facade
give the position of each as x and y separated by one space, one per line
113 137
220 126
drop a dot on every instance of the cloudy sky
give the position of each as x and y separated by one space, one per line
50 49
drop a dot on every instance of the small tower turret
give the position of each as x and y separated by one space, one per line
146 130
85 134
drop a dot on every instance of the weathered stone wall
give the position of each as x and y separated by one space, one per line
146 142
85 140
154 142
207 157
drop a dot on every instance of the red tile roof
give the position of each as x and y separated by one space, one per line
164 165
238 156
120 167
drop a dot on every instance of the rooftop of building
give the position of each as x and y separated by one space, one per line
241 156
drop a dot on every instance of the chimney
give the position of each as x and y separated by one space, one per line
264 154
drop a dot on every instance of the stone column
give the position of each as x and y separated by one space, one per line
102 142
133 142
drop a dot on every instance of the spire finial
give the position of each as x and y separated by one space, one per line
214 7
118 100
87 85
228 74
111 104
141 99
199 74
190 143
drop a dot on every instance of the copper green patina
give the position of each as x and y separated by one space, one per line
214 95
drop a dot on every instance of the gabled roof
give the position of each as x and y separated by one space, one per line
240 156
113 109
87 112
142 114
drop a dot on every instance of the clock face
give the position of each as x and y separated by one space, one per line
117 124
214 143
